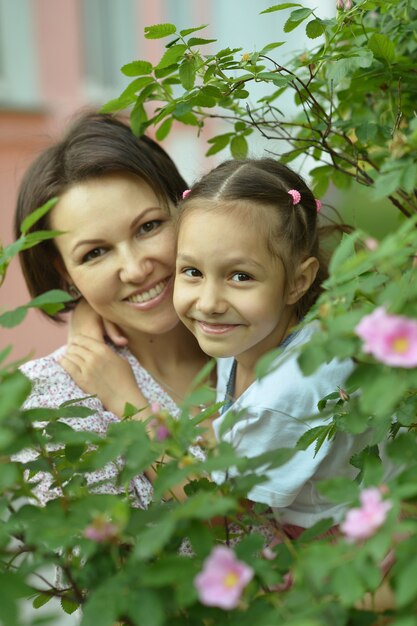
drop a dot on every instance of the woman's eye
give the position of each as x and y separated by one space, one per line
93 254
148 227
241 277
192 272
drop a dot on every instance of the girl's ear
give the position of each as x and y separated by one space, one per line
303 279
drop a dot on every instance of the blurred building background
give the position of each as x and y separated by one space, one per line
57 56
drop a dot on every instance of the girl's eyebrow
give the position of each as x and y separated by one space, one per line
132 226
227 261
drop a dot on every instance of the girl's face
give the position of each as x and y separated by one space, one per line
229 290
118 250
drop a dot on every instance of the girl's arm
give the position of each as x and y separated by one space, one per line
85 321
99 371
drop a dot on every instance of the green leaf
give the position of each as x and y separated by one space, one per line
32 218
406 588
188 31
315 28
187 73
239 147
219 143
158 31
10 319
164 129
14 390
280 7
137 68
138 119
382 47
41 600
9 475
271 46
172 55
50 297
197 41
380 396
344 251
68 605
339 490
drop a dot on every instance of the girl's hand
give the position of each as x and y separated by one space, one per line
85 321
99 371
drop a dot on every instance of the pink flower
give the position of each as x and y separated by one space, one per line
371 243
222 579
363 522
155 408
162 432
391 339
101 530
343 5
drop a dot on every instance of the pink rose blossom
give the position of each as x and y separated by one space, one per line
101 530
343 5
155 408
391 339
222 579
162 432
363 522
371 243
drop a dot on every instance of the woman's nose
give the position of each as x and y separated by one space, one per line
134 267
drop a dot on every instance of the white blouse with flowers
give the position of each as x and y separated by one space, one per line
52 386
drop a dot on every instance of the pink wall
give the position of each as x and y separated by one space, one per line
22 136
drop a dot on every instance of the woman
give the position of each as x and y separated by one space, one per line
116 197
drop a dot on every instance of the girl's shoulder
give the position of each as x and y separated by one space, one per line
285 375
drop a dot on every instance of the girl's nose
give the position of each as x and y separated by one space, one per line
210 300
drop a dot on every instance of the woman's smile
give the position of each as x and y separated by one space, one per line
152 296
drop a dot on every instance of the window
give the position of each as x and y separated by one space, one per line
18 71
109 41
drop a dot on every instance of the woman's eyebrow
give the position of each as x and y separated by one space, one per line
132 226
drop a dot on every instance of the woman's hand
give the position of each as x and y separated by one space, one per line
85 321
99 371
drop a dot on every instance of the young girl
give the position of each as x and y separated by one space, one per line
249 268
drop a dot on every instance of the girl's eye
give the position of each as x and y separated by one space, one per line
93 254
192 272
241 277
148 227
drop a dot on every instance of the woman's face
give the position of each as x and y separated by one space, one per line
118 248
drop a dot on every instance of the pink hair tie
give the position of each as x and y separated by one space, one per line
296 196
186 193
318 205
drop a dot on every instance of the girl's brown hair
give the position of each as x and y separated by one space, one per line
291 229
94 146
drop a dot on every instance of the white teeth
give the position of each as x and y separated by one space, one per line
148 295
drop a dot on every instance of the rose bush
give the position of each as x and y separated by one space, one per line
355 93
